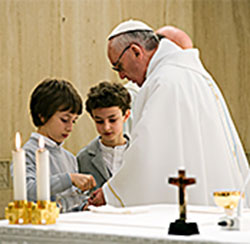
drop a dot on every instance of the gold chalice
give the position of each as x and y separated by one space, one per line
228 200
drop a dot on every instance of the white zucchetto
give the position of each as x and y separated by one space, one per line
129 25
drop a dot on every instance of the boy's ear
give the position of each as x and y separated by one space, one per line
41 118
127 114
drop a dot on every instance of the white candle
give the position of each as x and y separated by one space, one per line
42 172
19 170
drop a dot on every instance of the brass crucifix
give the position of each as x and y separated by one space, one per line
182 182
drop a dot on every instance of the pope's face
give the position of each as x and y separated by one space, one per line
59 126
126 63
109 124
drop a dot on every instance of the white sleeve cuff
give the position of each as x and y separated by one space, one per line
110 196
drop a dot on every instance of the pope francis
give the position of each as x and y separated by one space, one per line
180 120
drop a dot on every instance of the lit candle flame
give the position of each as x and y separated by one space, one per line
18 141
41 142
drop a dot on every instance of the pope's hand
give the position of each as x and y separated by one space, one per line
83 181
97 198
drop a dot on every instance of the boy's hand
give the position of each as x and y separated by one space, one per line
83 181
97 198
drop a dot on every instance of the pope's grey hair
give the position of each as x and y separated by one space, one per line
147 39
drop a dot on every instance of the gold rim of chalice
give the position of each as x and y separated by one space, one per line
227 199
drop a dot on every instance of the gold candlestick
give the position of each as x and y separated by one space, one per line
19 212
45 213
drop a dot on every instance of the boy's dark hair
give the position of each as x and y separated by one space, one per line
107 94
53 95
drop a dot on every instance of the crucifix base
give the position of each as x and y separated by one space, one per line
180 227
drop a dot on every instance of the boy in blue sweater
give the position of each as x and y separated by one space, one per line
55 106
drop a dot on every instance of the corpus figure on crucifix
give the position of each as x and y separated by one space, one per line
182 182
180 227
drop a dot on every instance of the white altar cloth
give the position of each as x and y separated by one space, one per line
140 225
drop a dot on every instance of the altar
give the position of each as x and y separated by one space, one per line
142 224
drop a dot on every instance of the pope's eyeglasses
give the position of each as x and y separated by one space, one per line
118 69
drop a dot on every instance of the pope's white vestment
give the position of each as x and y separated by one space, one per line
180 120
133 90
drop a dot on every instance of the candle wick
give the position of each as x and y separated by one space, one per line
41 149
